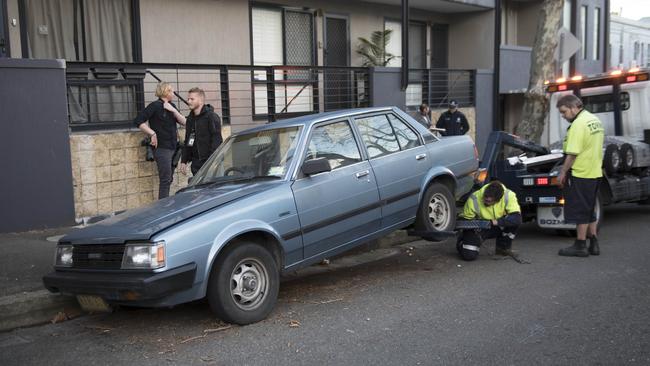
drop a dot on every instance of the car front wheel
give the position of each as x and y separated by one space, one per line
437 210
244 284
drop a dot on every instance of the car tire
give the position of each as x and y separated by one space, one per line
437 211
612 159
244 284
627 157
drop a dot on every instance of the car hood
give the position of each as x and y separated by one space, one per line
142 223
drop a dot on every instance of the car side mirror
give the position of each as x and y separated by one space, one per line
315 166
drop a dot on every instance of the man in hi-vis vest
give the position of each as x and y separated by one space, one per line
496 203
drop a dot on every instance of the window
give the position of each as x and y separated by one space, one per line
596 37
394 45
87 31
405 136
283 37
378 136
583 30
79 30
336 143
604 103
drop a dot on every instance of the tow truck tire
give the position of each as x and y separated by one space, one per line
437 211
627 157
612 159
244 284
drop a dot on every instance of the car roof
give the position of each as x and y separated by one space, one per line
309 119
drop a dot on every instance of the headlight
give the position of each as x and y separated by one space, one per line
144 256
63 256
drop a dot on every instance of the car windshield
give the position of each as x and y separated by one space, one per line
262 154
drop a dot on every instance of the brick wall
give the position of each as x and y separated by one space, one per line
110 173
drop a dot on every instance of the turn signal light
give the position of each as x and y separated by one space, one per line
481 176
642 77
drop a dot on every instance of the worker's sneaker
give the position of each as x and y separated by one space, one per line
506 252
594 249
578 249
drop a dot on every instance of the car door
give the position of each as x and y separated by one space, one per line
399 161
340 206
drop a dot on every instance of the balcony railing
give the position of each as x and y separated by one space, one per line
436 87
111 94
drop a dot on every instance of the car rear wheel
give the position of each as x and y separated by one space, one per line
437 210
244 284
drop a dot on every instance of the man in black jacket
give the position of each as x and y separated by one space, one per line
202 134
453 121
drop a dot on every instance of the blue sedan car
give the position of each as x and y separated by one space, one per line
270 200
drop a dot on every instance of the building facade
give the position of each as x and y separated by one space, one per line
629 42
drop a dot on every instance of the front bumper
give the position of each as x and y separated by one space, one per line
122 286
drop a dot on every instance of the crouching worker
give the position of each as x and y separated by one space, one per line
498 204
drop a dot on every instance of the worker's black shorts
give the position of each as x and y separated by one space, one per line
580 200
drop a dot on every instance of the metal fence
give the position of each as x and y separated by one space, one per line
436 87
107 95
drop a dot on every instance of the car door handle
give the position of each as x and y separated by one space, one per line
362 174
420 156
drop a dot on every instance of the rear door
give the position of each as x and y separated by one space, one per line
341 206
399 161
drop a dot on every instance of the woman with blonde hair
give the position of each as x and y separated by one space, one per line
158 120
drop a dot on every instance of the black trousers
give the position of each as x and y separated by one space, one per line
471 240
163 159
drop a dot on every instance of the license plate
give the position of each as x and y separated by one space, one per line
547 200
552 217
93 303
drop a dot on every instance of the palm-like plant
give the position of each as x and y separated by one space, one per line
373 51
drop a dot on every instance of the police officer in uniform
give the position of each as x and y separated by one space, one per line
498 204
453 121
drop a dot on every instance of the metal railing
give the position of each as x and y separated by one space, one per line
109 95
436 87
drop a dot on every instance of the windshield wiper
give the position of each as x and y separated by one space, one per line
231 179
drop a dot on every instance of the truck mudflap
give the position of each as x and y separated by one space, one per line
552 217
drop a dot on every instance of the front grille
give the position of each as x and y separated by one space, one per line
97 256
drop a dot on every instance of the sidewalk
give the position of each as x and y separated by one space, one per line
27 257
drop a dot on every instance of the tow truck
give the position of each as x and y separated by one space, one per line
621 100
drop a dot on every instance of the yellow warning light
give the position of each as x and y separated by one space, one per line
560 80
633 70
576 78
616 72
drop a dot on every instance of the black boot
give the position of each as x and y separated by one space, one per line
578 249
594 249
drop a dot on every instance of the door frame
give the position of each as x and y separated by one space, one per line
4 29
347 31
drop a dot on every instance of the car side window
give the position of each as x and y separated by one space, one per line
377 135
334 141
406 137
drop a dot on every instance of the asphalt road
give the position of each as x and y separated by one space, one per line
423 306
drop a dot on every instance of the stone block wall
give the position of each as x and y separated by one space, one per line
110 173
